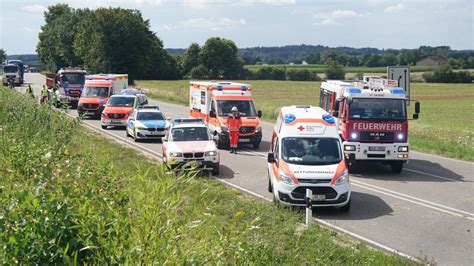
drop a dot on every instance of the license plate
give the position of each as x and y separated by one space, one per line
244 140
319 197
376 148
115 122
152 132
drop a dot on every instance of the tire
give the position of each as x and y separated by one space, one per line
215 170
347 207
396 167
270 188
222 145
126 132
135 136
256 145
103 127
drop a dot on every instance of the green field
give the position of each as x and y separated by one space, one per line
445 127
69 196
321 68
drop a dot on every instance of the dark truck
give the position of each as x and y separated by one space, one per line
68 84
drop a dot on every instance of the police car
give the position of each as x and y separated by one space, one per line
189 140
147 122
306 153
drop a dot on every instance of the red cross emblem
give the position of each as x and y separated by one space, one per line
300 128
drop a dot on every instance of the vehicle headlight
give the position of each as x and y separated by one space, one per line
403 149
285 178
224 129
349 147
176 154
343 178
258 129
142 128
211 153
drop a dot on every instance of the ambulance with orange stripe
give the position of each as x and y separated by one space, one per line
212 102
306 153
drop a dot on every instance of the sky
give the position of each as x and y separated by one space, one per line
249 23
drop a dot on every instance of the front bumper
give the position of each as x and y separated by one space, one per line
153 134
375 151
91 112
113 122
191 164
253 138
334 196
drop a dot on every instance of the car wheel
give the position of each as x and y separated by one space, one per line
396 167
215 170
135 136
270 188
347 207
103 127
126 132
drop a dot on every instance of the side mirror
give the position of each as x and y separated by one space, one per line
271 158
415 116
335 113
259 113
212 113
164 139
417 107
215 137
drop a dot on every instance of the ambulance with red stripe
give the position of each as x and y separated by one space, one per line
306 153
97 91
212 102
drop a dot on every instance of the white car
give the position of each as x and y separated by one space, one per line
189 140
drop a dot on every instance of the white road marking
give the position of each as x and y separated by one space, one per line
437 176
413 200
441 157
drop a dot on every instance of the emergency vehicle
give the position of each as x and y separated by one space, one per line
147 122
97 90
69 83
118 108
189 141
306 153
372 119
212 101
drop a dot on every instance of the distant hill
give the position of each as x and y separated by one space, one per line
24 57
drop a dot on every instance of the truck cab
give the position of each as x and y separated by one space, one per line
68 84
372 119
97 90
11 71
212 101
306 153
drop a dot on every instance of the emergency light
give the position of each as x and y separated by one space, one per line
188 120
243 88
289 118
397 91
328 118
219 87
353 90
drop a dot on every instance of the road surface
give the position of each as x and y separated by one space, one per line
426 212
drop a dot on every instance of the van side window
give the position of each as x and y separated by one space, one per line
342 107
278 124
325 100
276 150
213 107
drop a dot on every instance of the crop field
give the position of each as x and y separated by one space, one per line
69 196
445 127
321 68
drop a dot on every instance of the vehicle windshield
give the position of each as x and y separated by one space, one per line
10 69
101 92
311 151
381 109
121 101
150 116
245 108
190 134
76 78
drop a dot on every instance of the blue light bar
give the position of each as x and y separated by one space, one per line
289 118
329 118
353 90
219 87
89 77
149 107
397 91
243 88
188 120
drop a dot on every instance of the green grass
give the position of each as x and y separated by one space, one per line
321 68
445 127
70 196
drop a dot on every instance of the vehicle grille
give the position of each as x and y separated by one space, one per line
383 136
198 155
155 129
300 192
75 93
314 181
90 106
116 115
247 130
189 155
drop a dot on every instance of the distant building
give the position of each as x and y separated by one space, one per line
304 63
431 61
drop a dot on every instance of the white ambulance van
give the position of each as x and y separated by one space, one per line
306 153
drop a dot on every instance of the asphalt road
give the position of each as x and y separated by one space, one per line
427 211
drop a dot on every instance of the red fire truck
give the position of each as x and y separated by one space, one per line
372 119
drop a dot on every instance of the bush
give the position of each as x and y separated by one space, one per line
199 72
271 73
445 74
302 75
334 70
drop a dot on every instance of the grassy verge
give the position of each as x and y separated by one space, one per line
70 196
445 127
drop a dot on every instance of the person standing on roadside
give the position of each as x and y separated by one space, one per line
44 94
29 90
234 122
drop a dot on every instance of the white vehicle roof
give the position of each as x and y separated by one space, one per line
305 121
122 95
216 83
188 122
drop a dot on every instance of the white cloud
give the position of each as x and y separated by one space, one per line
331 18
34 8
205 4
394 9
214 24
326 22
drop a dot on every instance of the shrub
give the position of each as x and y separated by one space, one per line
302 75
334 70
199 72
271 73
445 74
